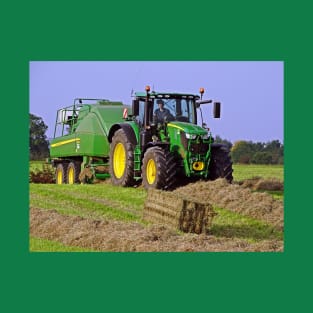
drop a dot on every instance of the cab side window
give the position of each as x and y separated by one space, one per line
140 117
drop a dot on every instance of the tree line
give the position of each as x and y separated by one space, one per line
38 142
246 152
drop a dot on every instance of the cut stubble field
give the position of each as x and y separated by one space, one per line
102 217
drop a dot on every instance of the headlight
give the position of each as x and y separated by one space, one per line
191 136
206 136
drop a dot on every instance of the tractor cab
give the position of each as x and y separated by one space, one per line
147 107
179 107
157 112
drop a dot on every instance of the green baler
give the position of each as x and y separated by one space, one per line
101 139
80 143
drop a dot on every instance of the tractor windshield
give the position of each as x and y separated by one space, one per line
180 109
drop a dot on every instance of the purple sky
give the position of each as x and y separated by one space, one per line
251 92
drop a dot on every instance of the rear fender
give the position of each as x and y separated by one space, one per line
217 146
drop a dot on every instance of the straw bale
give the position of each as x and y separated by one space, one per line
169 209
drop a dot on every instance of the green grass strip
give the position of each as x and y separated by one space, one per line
233 225
45 245
102 200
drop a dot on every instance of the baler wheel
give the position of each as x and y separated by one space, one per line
73 170
121 160
158 169
60 173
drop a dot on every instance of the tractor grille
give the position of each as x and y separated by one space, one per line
199 148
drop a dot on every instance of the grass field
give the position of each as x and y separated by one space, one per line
97 200
118 208
44 245
243 171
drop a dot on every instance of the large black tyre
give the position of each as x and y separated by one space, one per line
158 169
60 173
220 164
72 173
121 160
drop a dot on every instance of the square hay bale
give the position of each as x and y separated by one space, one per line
174 211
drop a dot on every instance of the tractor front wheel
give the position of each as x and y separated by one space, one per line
158 169
220 164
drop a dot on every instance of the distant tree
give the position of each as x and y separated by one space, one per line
258 153
276 149
272 145
262 158
102 101
244 159
259 146
38 143
242 151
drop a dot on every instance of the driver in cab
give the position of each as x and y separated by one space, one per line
162 114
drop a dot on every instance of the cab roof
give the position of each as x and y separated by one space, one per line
169 95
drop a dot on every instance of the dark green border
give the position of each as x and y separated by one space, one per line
224 282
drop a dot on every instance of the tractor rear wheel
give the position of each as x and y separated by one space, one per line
121 160
220 164
60 173
73 170
158 169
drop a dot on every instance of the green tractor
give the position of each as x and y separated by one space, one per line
159 143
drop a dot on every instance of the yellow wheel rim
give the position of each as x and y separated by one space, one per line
119 160
71 175
151 171
59 177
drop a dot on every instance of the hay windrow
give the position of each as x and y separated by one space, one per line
110 235
238 199
259 183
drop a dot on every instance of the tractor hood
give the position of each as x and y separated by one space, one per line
188 128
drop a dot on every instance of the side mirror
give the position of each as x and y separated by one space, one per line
217 110
198 103
135 108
